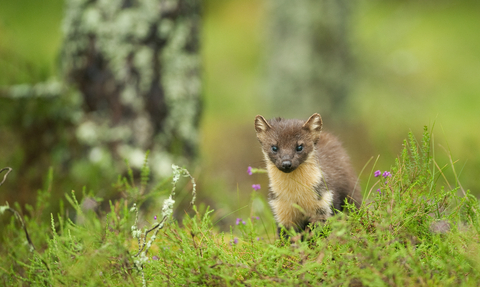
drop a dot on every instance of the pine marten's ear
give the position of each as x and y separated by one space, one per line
261 124
314 125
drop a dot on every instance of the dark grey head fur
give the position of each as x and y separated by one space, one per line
288 142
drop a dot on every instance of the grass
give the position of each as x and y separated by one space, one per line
409 231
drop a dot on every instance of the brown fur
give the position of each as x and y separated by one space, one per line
305 184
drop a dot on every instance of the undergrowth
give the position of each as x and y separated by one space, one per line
410 231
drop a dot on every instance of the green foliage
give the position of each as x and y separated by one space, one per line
408 232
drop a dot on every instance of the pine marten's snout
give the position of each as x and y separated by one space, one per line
286 166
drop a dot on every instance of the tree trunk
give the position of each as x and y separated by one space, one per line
308 60
136 64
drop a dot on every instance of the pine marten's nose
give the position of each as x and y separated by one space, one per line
286 164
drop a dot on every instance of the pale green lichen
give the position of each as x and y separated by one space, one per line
3 208
51 88
140 258
135 156
167 209
121 36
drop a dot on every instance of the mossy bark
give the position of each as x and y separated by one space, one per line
137 65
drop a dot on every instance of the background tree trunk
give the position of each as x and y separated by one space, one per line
308 60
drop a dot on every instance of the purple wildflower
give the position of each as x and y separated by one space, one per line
258 238
379 192
377 173
243 222
249 170
155 257
235 240
238 221
155 217
257 218
386 174
256 186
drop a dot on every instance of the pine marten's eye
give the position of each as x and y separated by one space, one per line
274 148
299 148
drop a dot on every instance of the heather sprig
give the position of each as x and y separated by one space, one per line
385 174
252 170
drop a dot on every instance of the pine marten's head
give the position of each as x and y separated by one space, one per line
288 143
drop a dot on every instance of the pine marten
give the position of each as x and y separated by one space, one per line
309 171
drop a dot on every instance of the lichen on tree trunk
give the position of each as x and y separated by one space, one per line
136 64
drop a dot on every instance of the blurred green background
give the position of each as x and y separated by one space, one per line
416 63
